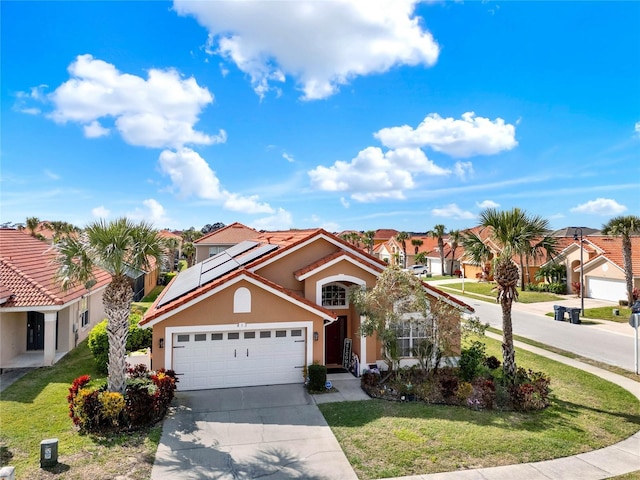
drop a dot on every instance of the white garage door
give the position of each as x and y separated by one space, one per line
238 359
606 289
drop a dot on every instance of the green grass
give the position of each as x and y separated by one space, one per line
35 408
606 313
147 301
486 289
386 439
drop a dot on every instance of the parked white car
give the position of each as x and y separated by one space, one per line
418 269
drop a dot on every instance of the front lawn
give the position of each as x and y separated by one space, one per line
606 313
486 288
387 439
35 408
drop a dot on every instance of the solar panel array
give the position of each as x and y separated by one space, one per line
213 268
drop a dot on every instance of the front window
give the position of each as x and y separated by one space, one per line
409 335
216 250
84 312
334 295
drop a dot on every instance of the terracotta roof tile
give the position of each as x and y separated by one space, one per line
229 235
329 258
28 271
611 248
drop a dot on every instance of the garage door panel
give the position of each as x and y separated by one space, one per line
606 289
234 359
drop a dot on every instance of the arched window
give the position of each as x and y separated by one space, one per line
242 300
334 295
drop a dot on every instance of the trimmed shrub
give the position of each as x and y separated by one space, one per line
492 362
557 288
146 399
317 377
470 360
530 390
98 342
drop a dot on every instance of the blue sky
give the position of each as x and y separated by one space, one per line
345 115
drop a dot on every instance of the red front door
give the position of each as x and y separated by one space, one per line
335 333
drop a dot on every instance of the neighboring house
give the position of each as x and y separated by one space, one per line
39 322
260 311
222 239
176 255
143 281
384 234
603 266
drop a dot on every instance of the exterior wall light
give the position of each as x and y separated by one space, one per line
315 336
161 343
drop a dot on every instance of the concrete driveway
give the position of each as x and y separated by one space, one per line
274 432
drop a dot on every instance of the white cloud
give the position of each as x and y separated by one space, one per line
288 158
374 175
95 130
458 138
463 170
152 212
345 203
50 175
600 206
100 212
637 128
191 175
321 44
282 220
157 112
452 211
487 204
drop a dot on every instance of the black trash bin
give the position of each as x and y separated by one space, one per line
558 312
574 314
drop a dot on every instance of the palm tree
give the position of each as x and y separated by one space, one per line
116 246
61 228
173 246
547 245
454 243
402 237
512 231
439 233
624 226
189 251
416 242
367 239
421 258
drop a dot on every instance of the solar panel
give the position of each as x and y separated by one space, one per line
218 271
184 282
241 248
226 255
258 252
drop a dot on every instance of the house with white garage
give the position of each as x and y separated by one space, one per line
603 266
39 321
260 311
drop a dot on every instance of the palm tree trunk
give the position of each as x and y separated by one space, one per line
508 351
117 302
628 273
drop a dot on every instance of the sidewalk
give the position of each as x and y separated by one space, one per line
618 459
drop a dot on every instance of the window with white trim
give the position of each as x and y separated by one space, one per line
84 312
408 336
334 295
217 249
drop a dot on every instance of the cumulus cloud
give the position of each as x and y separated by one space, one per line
95 130
637 129
320 44
151 211
374 174
191 176
281 220
452 211
345 203
466 137
487 204
100 212
600 206
159 111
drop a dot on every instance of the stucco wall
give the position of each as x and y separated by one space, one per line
13 335
218 310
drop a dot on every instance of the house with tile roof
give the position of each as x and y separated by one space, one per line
222 239
260 311
39 321
603 266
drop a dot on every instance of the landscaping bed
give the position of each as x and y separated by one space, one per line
394 438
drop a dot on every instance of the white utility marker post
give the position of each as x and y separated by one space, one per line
634 321
462 279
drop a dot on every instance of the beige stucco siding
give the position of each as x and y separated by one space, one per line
604 270
13 335
343 269
281 270
217 309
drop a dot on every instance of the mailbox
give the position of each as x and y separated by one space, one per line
49 453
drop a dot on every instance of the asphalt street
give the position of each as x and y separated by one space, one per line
608 343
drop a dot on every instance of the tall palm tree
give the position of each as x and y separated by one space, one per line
173 246
367 239
116 246
439 233
60 228
189 251
454 243
402 237
416 242
512 231
625 226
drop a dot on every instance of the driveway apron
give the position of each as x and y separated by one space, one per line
273 432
